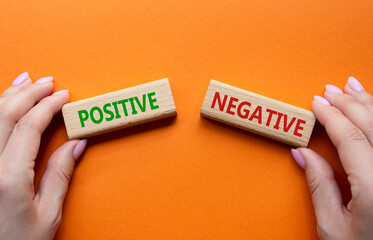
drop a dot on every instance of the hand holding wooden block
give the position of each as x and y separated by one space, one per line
119 109
258 114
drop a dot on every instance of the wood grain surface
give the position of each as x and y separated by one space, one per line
258 114
119 109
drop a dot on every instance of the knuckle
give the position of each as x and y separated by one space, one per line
314 184
25 122
63 174
348 135
317 182
355 134
348 101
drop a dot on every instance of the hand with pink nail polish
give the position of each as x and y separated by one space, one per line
26 109
348 119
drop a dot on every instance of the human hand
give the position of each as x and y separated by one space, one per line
26 110
348 120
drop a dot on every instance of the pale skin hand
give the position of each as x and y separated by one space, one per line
26 109
26 215
348 120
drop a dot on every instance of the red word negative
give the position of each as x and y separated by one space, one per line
261 114
258 114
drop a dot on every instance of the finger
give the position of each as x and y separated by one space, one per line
326 196
23 145
355 89
18 105
55 181
21 81
353 146
354 111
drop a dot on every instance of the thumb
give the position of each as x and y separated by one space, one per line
326 196
55 181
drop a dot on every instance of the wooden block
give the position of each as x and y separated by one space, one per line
258 114
119 109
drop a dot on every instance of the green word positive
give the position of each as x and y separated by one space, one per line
111 110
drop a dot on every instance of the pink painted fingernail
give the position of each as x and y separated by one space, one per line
21 79
59 92
44 80
79 148
298 158
321 100
355 85
333 89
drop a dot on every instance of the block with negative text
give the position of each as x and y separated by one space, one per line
258 114
119 109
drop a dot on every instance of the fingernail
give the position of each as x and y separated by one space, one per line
321 100
298 158
44 80
20 79
79 148
355 85
333 89
59 92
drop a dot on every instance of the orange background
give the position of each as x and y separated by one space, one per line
188 177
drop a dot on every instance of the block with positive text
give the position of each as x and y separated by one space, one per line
119 109
258 114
